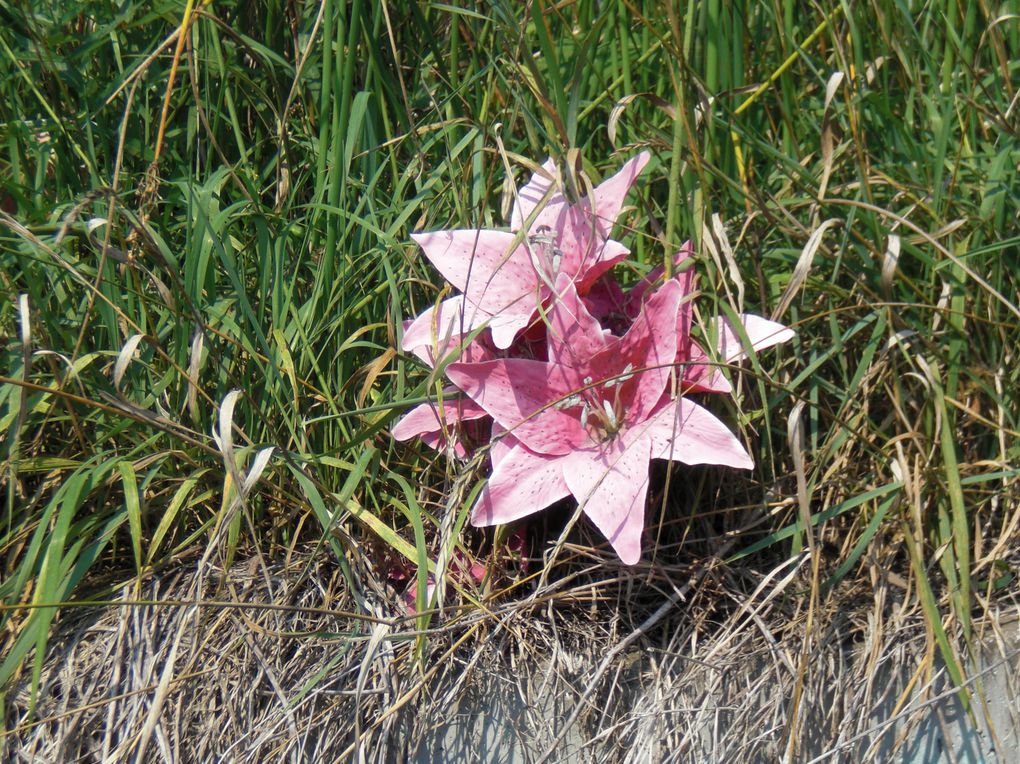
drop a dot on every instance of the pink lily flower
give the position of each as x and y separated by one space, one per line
440 427
440 424
462 568
504 278
435 334
587 422
700 375
616 308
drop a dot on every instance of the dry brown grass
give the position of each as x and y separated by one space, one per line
695 662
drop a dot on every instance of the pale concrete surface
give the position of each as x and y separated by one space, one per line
496 727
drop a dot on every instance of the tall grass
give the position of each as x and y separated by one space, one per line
200 198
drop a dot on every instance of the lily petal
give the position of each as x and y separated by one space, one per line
701 375
574 335
606 301
760 331
585 253
483 264
521 395
521 483
437 442
610 194
686 432
424 418
591 269
688 279
423 422
439 331
529 196
650 345
612 484
509 322
500 444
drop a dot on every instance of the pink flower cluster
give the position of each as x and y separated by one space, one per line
575 383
